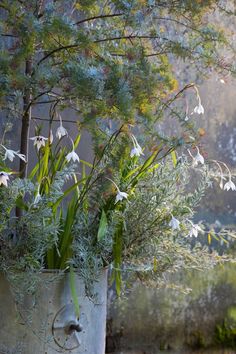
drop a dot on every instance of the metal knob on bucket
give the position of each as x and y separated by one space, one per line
67 329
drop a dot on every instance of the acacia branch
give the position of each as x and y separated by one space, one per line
129 37
179 23
97 17
76 45
148 55
59 49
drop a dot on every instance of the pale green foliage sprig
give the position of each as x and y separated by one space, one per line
204 182
90 256
157 198
60 179
25 241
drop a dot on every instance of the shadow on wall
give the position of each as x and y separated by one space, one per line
165 319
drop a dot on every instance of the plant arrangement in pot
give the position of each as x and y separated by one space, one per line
127 210
130 203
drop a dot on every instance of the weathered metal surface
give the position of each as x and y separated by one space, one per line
54 327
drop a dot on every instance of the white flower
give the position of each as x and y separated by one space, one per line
199 109
198 158
61 131
174 223
39 141
50 137
229 185
72 156
37 198
21 156
10 154
120 196
195 229
136 150
4 177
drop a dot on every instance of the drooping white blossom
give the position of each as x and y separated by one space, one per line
61 131
72 156
229 185
120 195
136 150
195 229
174 223
4 178
199 109
197 159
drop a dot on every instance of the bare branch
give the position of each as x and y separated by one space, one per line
54 120
8 35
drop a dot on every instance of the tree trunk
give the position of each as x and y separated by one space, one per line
25 121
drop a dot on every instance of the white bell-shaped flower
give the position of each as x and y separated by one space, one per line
136 150
72 156
229 185
120 195
174 223
195 229
4 178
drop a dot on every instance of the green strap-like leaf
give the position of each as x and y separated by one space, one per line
117 254
74 294
66 235
102 226
174 158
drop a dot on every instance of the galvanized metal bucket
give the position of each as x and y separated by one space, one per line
54 326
